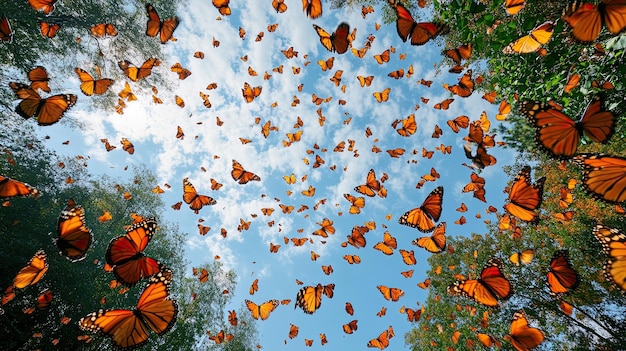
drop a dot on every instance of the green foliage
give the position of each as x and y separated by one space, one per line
74 44
78 288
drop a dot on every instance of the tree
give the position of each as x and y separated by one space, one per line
78 288
74 41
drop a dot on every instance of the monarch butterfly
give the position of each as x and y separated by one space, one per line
155 26
586 19
420 33
102 30
47 111
313 8
38 77
338 41
408 257
604 176
241 175
136 73
614 245
191 197
90 86
388 244
435 243
533 41
47 6
129 328
513 7
409 127
356 237
463 52
127 146
465 87
222 7
524 257
6 34
390 294
32 272
125 253
383 95
486 290
279 6
458 123
561 275
525 198
372 186
183 73
326 65
326 227
559 135
422 217
12 188
383 57
49 30
73 236
397 74
356 203
309 298
444 105
250 93
521 336
350 327
382 341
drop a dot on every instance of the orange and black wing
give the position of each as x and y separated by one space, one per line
241 175
33 272
422 217
12 188
125 253
191 197
613 245
89 85
561 275
73 236
435 243
524 197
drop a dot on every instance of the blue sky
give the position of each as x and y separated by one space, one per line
152 129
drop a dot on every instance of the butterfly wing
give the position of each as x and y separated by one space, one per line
532 42
422 217
597 123
33 272
313 8
524 197
6 33
340 39
604 176
12 188
125 253
435 243
521 336
73 236
614 245
309 298
555 131
561 277
157 310
39 79
585 20
325 38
